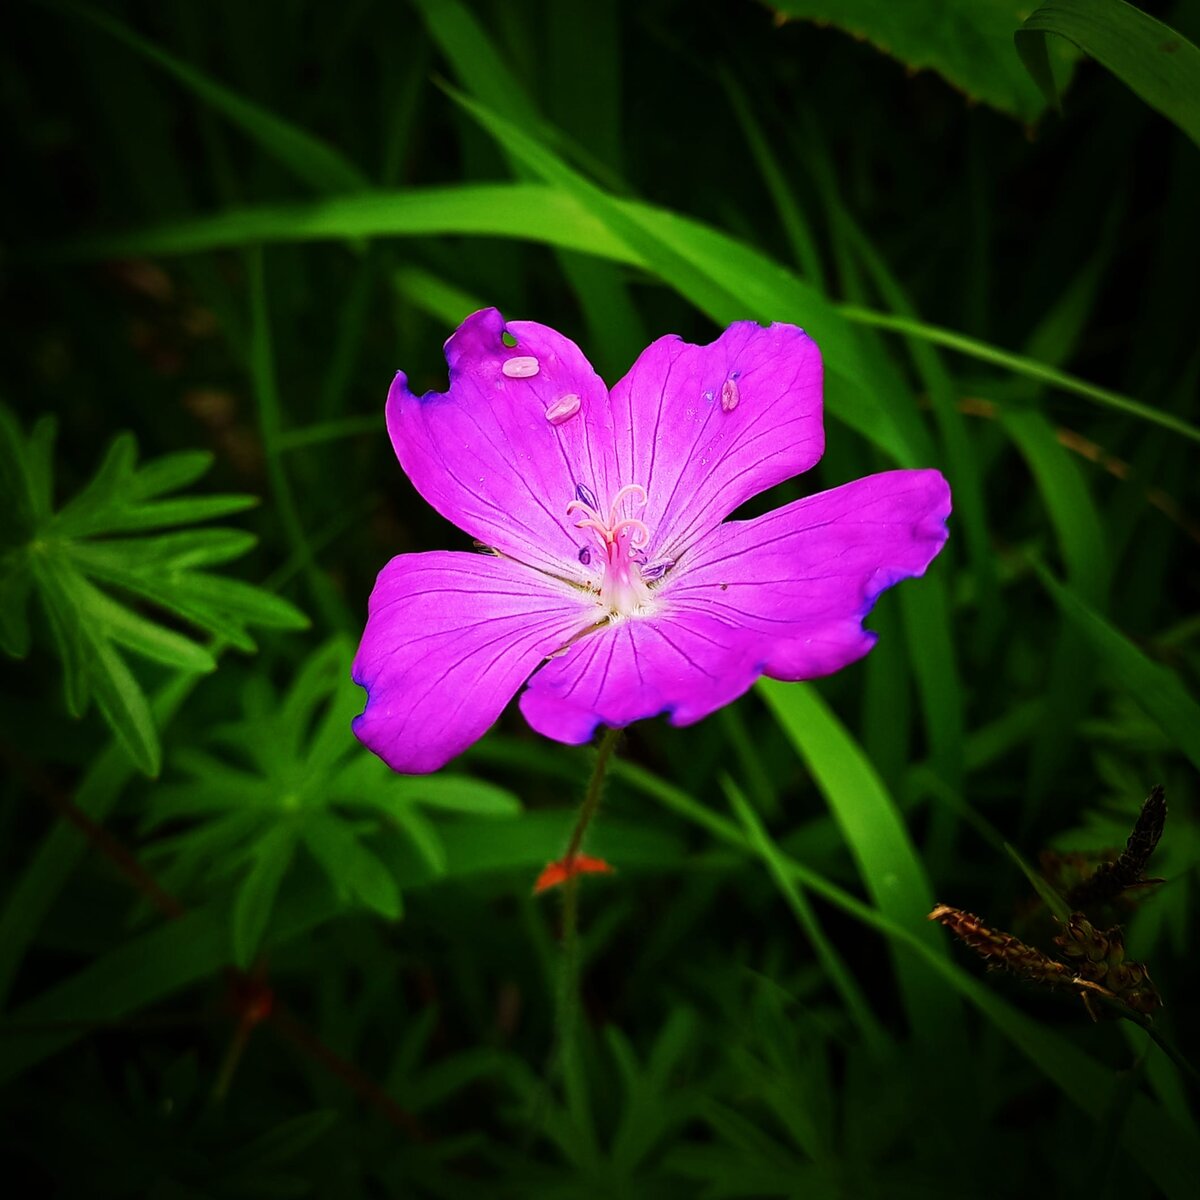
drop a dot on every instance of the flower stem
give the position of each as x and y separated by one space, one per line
568 993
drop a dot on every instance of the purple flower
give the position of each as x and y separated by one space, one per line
617 589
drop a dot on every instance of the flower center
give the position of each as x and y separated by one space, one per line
624 590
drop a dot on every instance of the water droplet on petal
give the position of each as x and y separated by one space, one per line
524 366
585 555
584 494
729 395
563 409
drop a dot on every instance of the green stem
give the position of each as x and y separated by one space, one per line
568 992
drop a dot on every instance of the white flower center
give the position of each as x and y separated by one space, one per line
624 590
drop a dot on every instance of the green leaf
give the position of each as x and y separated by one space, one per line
1163 1149
136 974
1049 897
1048 376
839 975
284 1141
63 556
92 667
424 838
256 897
967 42
875 834
350 866
1158 691
750 284
50 864
1152 59
459 794
16 587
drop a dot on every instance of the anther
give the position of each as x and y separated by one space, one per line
563 409
583 494
585 555
524 366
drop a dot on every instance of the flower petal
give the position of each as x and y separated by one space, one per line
782 595
800 580
502 452
711 426
638 668
449 639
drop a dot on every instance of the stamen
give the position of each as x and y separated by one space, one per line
657 570
624 589
524 366
563 409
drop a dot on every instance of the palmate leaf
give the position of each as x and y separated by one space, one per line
290 775
70 559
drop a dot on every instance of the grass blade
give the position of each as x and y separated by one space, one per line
877 839
1157 691
1153 60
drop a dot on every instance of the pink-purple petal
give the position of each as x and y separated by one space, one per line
504 450
634 669
704 428
782 595
450 638
801 579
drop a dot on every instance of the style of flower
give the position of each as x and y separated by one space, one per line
613 587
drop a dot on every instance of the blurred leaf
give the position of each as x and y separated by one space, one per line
62 556
737 280
1157 690
309 158
1050 898
139 972
968 42
256 897
290 770
1150 58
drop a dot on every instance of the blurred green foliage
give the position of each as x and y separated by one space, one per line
277 969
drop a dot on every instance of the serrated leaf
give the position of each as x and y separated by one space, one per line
256 896
967 42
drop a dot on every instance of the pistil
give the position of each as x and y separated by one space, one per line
623 590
